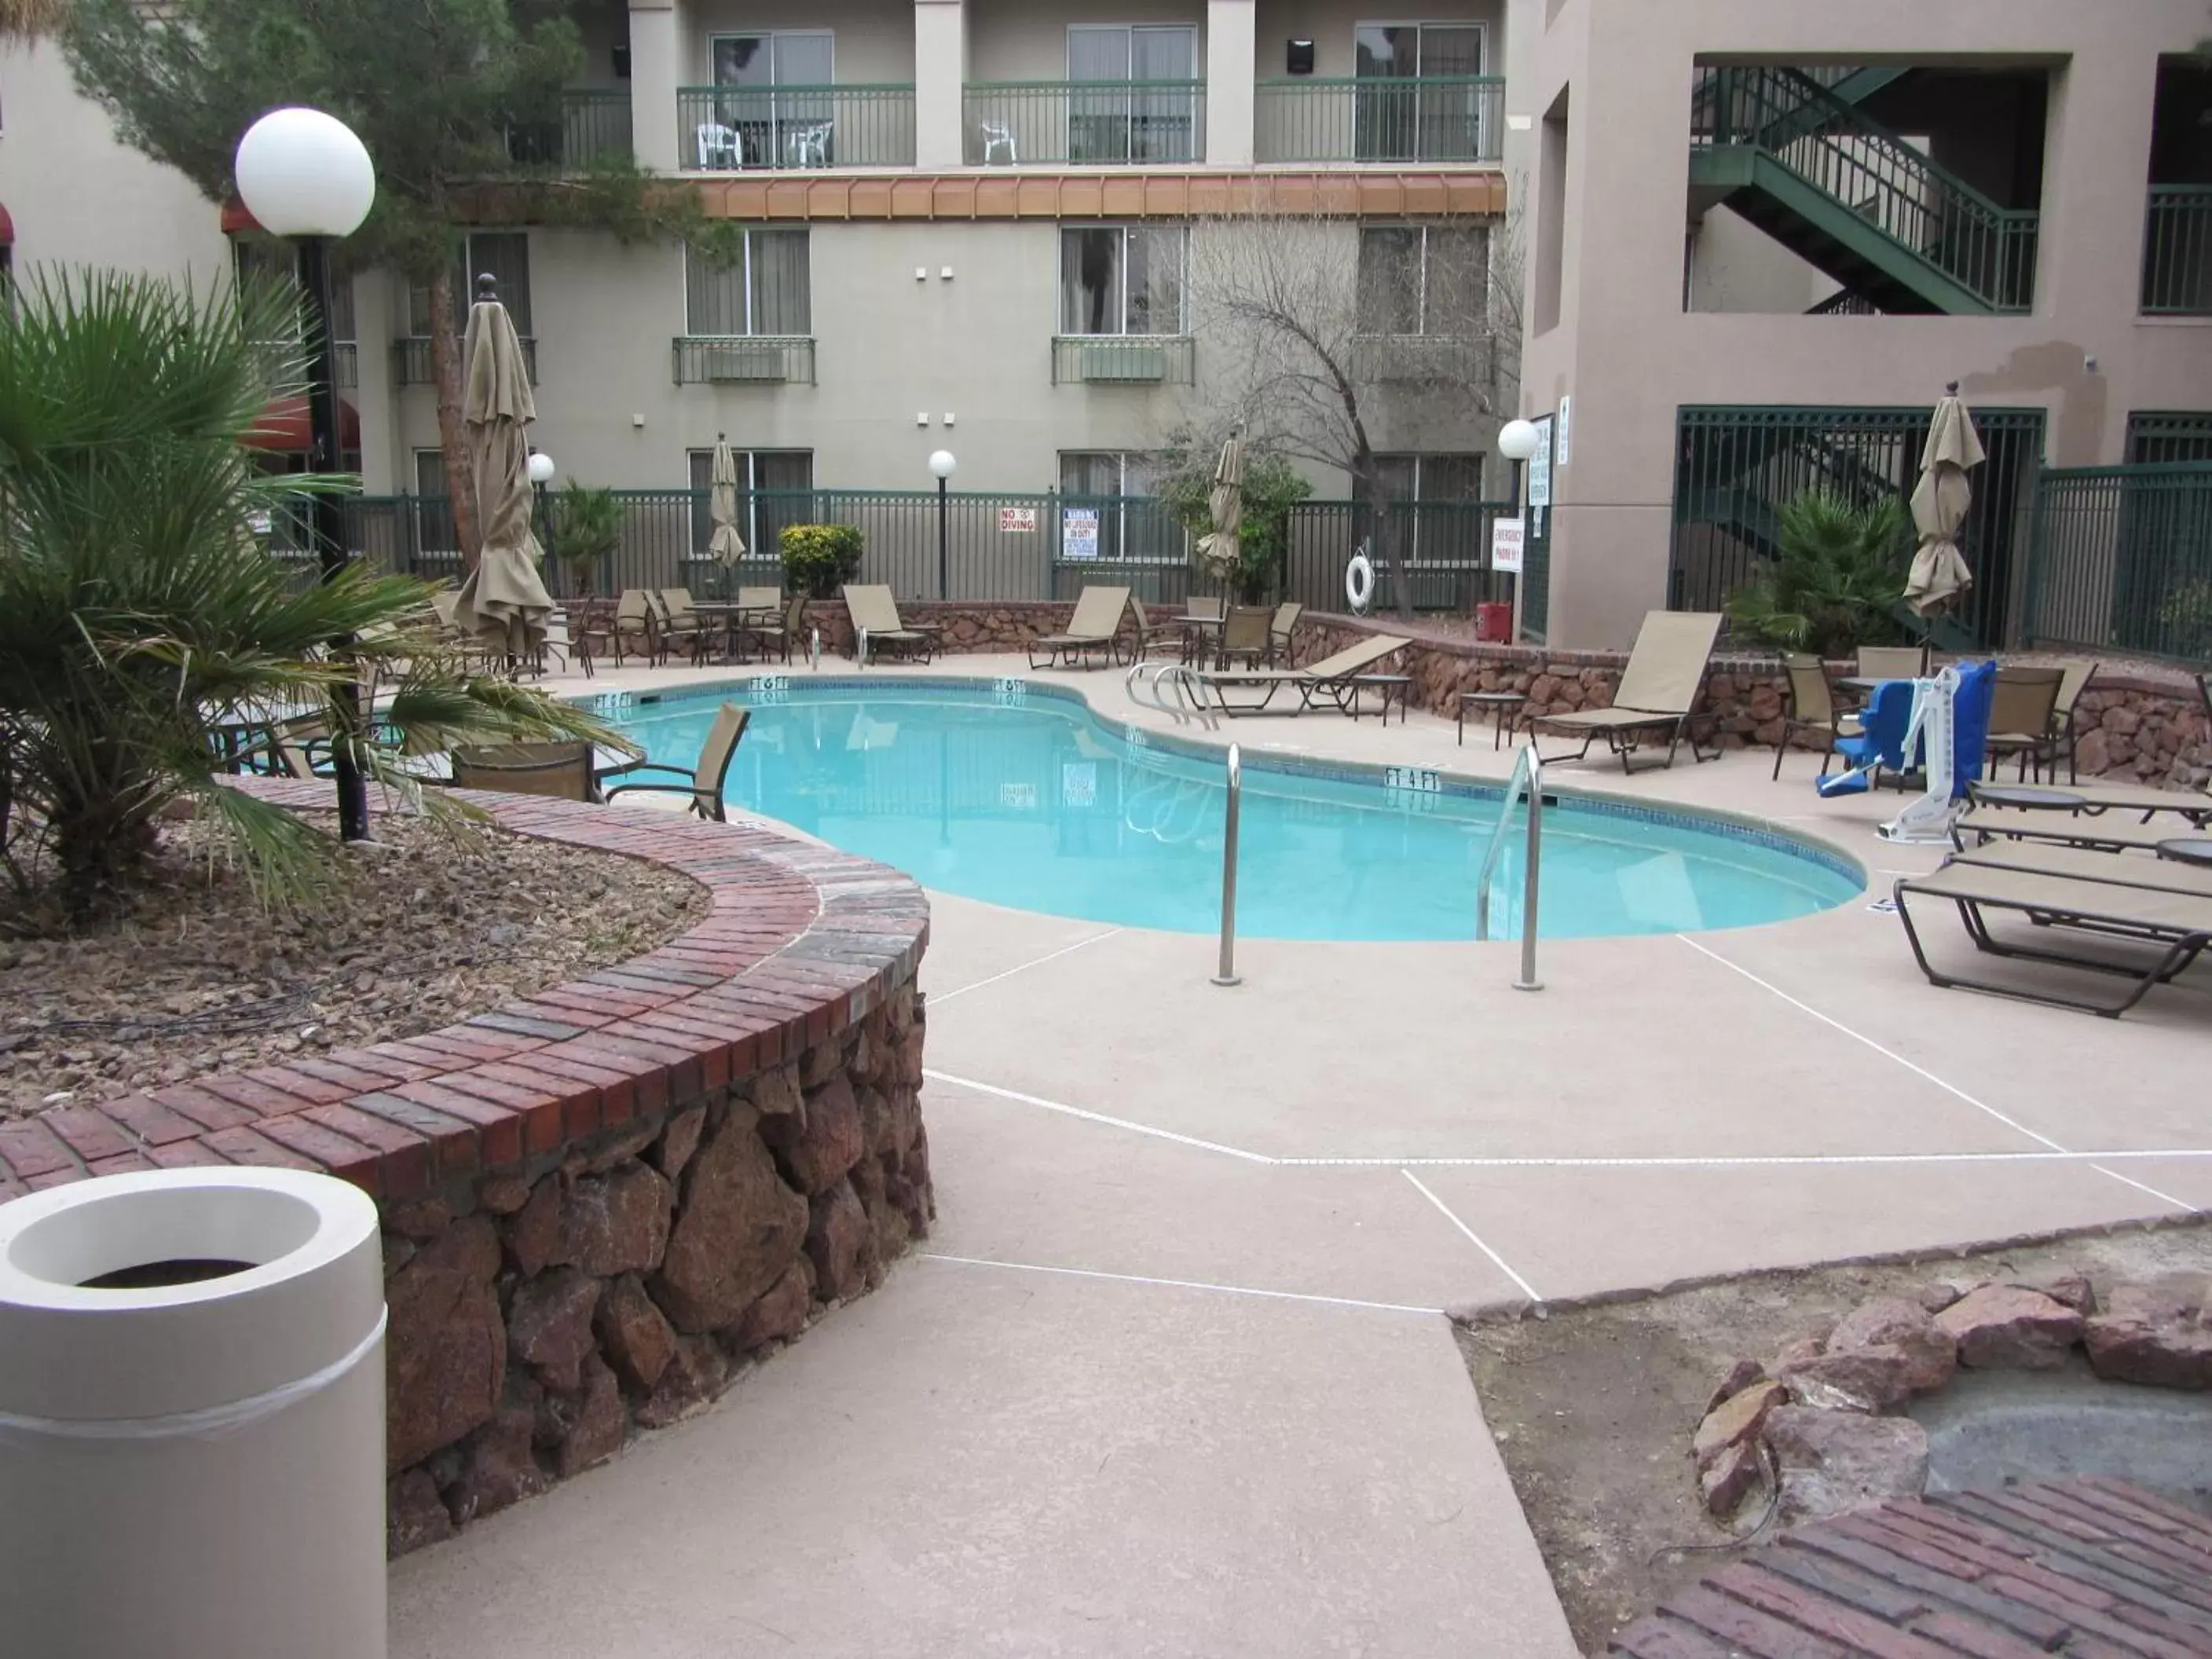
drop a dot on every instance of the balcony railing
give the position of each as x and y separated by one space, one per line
1123 360
411 364
2177 279
1424 359
593 127
755 359
793 129
1453 118
1085 123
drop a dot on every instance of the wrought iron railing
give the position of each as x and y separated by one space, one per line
1844 303
2122 560
1085 123
411 364
2177 279
731 129
757 359
1930 212
593 126
1124 360
1451 117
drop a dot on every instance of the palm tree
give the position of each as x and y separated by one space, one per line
141 612
26 19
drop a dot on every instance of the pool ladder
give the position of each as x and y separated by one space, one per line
1149 683
1527 780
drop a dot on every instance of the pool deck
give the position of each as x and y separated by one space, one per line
1172 1376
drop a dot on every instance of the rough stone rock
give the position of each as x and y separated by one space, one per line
1796 1353
894 1232
549 1326
623 1147
445 1344
498 1466
679 1141
533 1232
2070 1290
866 1054
1930 1352
422 1221
909 1058
1740 1377
1735 1421
1834 1461
634 1333
2159 1333
596 1429
398 1253
780 1314
503 1193
840 1244
1729 1477
695 1375
414 1514
832 1142
1933 1299
775 1092
1864 1379
2002 1327
618 1223
819 1063
2092 752
738 1231
906 1116
876 1124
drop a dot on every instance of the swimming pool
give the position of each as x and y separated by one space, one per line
1015 793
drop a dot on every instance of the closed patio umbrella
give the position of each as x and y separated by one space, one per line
726 544
504 601
1939 506
1217 550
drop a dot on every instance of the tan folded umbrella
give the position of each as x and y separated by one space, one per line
1940 501
726 544
1217 550
504 601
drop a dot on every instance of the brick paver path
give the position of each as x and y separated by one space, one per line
2086 1568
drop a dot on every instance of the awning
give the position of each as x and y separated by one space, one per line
7 229
284 429
236 218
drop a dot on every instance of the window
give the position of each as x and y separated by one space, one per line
1425 107
1123 519
775 489
766 61
1154 120
1430 479
772 105
1121 279
1438 513
504 255
764 290
434 535
1423 279
265 258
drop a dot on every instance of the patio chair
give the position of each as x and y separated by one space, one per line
631 622
1282 633
1664 678
1093 627
2177 924
681 623
720 148
560 769
572 649
1248 633
2073 680
781 633
1334 677
1166 641
2020 714
1893 662
808 146
877 623
1812 708
998 136
704 781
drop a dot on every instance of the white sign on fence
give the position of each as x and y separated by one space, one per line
1564 441
1079 532
1507 538
1017 520
1540 471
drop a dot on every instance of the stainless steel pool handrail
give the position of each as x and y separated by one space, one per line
1528 780
1145 684
1227 975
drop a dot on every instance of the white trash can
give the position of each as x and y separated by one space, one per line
192 1419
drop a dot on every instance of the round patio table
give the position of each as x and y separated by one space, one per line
2188 849
2026 795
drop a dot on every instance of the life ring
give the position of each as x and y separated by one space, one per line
1359 583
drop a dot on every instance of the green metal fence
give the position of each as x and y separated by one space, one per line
1451 118
1124 360
1736 467
2167 435
731 129
1083 123
723 359
593 126
2123 561
2176 276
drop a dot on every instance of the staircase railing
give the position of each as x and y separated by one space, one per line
1988 249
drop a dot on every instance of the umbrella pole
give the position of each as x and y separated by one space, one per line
328 524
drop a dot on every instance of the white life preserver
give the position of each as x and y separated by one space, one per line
1359 583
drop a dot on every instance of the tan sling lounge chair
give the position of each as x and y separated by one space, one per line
876 624
702 783
1336 678
1659 688
1097 620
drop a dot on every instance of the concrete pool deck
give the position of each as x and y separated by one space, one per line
1171 1378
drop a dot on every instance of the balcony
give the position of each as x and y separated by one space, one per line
1448 119
1423 360
731 129
1085 123
411 364
591 128
741 360
2177 280
1124 360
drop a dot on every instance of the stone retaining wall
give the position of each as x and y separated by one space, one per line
601 1201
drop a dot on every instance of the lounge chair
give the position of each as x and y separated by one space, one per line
1983 825
2121 869
1096 621
1334 677
560 769
1248 632
2073 680
877 623
2177 925
1813 709
1664 678
704 781
1282 633
2195 805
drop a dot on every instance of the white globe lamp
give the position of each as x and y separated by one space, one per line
301 172
942 464
541 468
1517 440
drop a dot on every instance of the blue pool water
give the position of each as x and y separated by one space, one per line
1021 798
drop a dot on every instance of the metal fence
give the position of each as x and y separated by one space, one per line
731 129
1085 123
1444 117
2176 276
1736 468
2122 560
412 363
594 126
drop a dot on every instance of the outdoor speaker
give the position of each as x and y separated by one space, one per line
1301 58
622 62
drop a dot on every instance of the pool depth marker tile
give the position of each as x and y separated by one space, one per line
1497 1260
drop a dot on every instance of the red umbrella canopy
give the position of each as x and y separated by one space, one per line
284 429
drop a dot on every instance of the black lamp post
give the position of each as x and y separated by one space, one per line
304 175
942 464
541 475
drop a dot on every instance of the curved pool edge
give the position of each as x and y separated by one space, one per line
1811 846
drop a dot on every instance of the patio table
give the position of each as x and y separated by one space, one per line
2028 796
2188 849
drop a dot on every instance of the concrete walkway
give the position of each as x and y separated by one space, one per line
1172 1378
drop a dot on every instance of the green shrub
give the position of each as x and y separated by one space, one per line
2186 618
820 558
586 527
1836 581
1271 488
